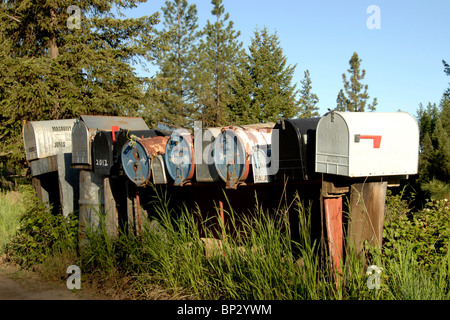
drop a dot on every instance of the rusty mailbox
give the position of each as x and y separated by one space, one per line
142 156
85 130
238 149
48 147
179 157
296 148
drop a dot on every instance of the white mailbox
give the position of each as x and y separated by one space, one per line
363 144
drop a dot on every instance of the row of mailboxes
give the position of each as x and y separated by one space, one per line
350 144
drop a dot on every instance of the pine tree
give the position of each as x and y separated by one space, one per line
262 87
218 54
308 100
51 71
176 65
426 159
356 93
447 72
442 152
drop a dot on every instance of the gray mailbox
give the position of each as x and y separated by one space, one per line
363 144
85 130
48 147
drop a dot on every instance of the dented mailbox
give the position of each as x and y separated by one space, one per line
363 144
48 147
139 155
179 157
87 126
44 139
240 148
297 148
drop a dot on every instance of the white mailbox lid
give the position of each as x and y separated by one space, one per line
47 138
362 144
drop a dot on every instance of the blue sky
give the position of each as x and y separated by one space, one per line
402 59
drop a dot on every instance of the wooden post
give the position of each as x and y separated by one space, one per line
333 222
111 213
367 201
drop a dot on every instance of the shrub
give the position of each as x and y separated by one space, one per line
40 233
427 230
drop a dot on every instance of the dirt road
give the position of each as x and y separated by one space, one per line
20 285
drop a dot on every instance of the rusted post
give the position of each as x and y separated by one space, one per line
333 222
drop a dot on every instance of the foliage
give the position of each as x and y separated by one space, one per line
51 71
308 100
41 233
355 96
217 55
262 85
427 231
434 161
175 104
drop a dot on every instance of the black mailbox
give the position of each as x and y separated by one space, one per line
296 148
102 152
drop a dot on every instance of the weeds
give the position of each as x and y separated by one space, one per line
178 254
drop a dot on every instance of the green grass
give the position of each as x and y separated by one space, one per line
251 257
11 207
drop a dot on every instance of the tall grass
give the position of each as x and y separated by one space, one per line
181 254
11 207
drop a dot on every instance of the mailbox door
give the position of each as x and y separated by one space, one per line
179 157
81 149
231 156
102 153
332 145
136 163
125 135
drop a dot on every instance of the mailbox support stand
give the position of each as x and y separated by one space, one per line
367 201
333 222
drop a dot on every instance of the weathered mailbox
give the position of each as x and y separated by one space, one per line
139 155
179 157
364 144
85 130
234 149
296 148
48 147
205 171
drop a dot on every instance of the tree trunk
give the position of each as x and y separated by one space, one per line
52 42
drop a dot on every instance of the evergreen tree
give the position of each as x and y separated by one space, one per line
447 72
426 159
262 86
441 152
308 100
218 54
341 101
54 69
356 93
176 65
